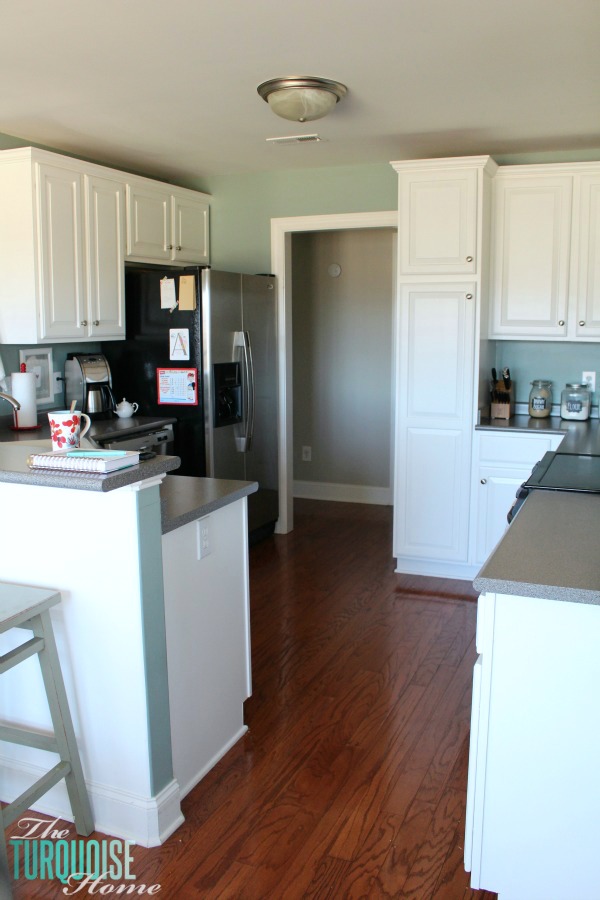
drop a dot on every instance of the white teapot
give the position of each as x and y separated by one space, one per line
125 409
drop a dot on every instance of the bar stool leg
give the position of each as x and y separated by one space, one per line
5 881
62 723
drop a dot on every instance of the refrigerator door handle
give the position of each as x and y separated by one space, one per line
243 340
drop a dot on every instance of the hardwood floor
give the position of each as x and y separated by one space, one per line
351 780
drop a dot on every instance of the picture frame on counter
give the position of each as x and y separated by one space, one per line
39 361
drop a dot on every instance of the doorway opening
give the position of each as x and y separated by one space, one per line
282 233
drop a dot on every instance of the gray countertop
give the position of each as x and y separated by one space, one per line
184 499
14 469
99 428
550 550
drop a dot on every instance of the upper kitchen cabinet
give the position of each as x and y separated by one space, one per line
61 250
546 253
166 224
64 224
438 215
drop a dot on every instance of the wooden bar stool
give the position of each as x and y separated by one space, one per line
28 607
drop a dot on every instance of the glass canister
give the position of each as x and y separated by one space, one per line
575 401
540 398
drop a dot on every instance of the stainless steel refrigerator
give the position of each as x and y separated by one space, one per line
231 341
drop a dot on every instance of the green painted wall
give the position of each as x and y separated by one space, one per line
242 206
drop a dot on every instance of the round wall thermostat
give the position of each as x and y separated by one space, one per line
334 270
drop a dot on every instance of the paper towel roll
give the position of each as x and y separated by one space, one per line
22 387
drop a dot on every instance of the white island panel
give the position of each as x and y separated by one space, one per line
91 547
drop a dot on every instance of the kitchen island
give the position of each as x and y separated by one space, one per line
533 805
98 539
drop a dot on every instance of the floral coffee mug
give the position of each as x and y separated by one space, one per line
65 428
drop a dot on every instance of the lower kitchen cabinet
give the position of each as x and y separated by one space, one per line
533 801
433 441
504 462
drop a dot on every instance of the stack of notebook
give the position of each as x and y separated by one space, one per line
99 461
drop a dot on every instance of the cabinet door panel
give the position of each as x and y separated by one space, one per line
435 393
438 349
438 222
106 245
588 310
148 223
190 230
497 490
62 295
531 252
430 515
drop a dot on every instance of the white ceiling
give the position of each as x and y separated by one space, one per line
169 88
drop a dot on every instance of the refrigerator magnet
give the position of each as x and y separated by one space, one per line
177 386
179 343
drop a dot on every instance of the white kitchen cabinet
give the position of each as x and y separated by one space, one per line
546 253
443 219
437 217
61 250
64 224
503 463
166 224
533 792
431 509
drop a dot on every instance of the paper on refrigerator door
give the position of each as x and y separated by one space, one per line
179 343
168 299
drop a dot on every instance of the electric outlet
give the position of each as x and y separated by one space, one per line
306 454
57 383
590 379
203 537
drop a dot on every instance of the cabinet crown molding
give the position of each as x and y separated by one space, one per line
73 163
451 162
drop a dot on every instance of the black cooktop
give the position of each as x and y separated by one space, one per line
557 472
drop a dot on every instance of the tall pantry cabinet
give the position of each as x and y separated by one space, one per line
443 225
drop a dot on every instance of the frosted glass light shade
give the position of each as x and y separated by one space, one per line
302 104
301 99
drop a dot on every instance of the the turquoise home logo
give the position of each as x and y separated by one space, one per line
42 852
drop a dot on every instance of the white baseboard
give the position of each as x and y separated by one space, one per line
436 568
147 821
345 493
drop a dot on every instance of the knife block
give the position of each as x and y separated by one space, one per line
503 410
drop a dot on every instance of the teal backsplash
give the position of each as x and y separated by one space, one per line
551 360
10 358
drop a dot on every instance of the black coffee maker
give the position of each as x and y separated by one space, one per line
88 382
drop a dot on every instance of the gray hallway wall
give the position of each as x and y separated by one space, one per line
342 357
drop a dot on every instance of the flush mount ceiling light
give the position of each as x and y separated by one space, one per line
301 98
